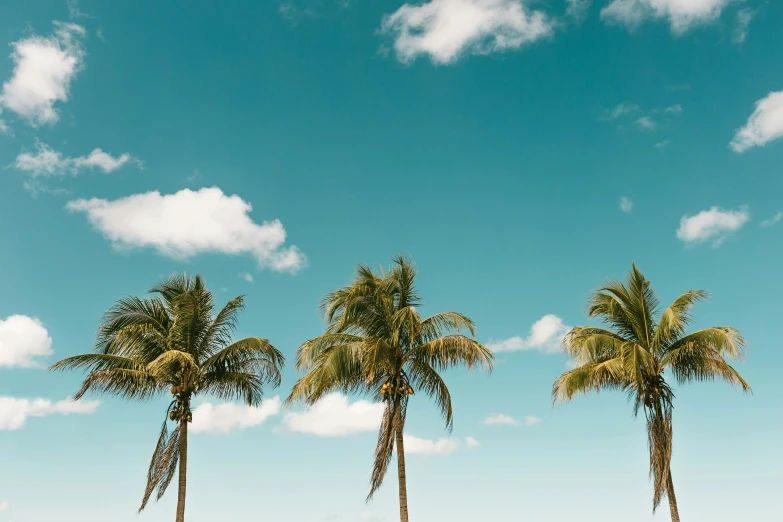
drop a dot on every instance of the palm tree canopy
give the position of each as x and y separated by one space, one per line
376 342
639 344
175 339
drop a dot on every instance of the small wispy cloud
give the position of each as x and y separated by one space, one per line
625 203
662 144
501 419
774 219
246 276
744 17
627 113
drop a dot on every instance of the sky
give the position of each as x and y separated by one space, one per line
521 152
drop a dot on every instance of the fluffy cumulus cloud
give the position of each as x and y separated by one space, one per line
15 412
47 162
23 341
713 225
335 416
681 14
446 29
221 419
546 334
190 222
43 70
763 126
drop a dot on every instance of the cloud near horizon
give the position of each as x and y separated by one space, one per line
416 446
43 70
14 412
222 419
545 336
187 223
445 30
714 224
334 416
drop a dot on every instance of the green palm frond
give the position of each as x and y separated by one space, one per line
634 351
452 350
376 342
175 339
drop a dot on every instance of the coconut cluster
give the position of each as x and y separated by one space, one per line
389 388
181 411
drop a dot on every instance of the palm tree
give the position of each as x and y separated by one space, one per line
634 354
376 342
175 339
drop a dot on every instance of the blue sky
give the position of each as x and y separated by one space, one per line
521 152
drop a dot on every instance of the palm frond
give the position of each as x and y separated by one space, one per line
424 378
451 351
251 355
163 463
393 421
676 318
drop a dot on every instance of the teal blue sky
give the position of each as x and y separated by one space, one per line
493 145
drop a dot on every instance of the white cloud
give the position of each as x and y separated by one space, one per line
417 446
22 341
4 128
247 277
744 17
681 14
4 505
471 443
645 122
335 416
501 419
510 421
369 516
713 224
663 144
48 162
190 222
774 219
763 126
221 419
446 29
14 412
631 113
546 334
626 205
577 9
43 70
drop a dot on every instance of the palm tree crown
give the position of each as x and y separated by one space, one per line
376 342
634 354
175 340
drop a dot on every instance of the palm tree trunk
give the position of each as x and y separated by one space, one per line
401 477
183 468
672 500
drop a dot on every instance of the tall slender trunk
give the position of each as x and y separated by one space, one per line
672 499
183 468
401 477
